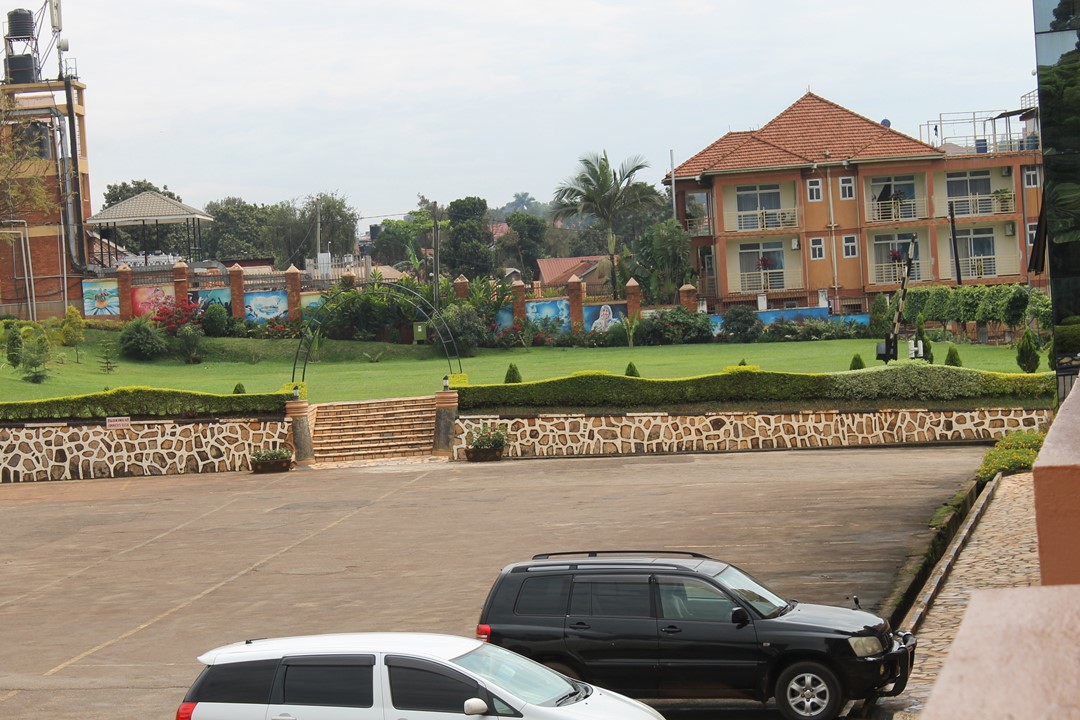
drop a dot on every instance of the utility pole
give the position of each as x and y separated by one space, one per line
435 256
674 211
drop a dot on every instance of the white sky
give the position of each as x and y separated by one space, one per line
380 100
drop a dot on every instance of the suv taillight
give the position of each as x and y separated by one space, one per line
185 711
483 633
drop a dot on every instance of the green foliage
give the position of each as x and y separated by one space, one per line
1023 440
269 454
920 335
674 327
952 358
467 328
35 354
897 381
1012 454
1067 339
141 339
488 437
71 329
856 362
631 370
513 375
146 402
968 300
239 389
215 321
741 324
880 318
1027 352
13 343
660 262
107 362
188 343
742 362
939 304
1040 309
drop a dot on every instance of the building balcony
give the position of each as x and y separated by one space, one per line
892 210
779 219
760 281
698 227
983 266
891 273
998 203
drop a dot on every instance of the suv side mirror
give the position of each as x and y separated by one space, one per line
740 617
475 706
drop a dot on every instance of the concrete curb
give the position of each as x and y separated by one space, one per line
937 578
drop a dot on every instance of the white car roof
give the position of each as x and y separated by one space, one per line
443 647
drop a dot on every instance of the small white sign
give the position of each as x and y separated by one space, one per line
117 423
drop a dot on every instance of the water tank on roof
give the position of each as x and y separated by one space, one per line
21 69
20 24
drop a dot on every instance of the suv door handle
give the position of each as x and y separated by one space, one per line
671 630
580 626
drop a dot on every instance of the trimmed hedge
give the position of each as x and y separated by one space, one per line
146 402
899 381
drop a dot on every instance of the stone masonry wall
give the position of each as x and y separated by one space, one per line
56 451
636 433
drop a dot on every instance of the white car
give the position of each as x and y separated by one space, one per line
390 676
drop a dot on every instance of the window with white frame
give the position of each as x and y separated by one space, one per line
847 188
851 246
813 190
1031 176
817 248
1031 229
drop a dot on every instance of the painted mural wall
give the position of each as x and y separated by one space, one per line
264 305
214 296
101 298
601 318
555 311
146 299
310 302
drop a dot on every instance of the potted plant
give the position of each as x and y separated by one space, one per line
485 444
1003 201
266 460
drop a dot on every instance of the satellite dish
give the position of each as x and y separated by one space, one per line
55 16
885 123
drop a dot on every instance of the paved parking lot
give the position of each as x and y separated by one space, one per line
109 589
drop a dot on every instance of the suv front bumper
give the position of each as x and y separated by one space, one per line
883 675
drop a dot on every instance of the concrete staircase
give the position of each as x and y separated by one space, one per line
395 427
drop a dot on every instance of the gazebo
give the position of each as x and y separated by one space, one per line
149 211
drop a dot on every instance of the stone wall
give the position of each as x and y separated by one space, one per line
58 451
636 433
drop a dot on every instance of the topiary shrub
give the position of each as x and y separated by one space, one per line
142 340
631 370
742 362
188 343
513 375
856 362
1027 352
466 326
71 329
215 320
239 389
741 324
13 344
952 358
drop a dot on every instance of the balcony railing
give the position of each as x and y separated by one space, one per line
891 273
765 280
707 285
767 219
886 210
983 266
995 204
698 227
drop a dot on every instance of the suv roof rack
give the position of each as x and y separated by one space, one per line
597 553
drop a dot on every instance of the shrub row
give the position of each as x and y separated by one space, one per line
901 381
1012 454
146 401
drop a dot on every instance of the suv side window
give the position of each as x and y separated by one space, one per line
684 598
335 681
423 686
544 595
611 596
241 682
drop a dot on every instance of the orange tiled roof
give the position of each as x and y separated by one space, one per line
556 271
801 135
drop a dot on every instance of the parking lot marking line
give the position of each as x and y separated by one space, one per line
94 564
10 695
235 576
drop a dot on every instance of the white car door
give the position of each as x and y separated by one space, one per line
420 689
326 687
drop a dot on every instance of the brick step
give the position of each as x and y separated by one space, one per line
329 428
344 420
348 457
337 408
386 447
324 442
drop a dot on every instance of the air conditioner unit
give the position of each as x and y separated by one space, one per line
1006 171
794 243
1010 229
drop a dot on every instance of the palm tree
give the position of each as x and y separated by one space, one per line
602 193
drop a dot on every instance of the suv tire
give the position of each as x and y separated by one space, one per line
808 691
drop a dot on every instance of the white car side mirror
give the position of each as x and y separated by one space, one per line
475 706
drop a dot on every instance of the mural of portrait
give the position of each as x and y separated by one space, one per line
146 299
100 297
557 310
265 305
600 318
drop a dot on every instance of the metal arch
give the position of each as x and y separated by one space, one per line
418 302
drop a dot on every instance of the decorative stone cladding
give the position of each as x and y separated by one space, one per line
58 451
636 433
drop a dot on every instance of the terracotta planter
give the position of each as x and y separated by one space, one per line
271 466
483 454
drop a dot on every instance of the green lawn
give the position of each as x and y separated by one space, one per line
344 373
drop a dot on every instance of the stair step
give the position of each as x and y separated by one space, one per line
380 428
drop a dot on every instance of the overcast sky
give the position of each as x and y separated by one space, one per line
380 100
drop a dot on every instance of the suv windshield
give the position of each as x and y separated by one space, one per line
530 681
764 600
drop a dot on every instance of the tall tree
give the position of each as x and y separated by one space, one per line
337 222
240 229
523 202
524 243
600 191
661 261
468 249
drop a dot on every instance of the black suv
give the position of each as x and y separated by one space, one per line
661 624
